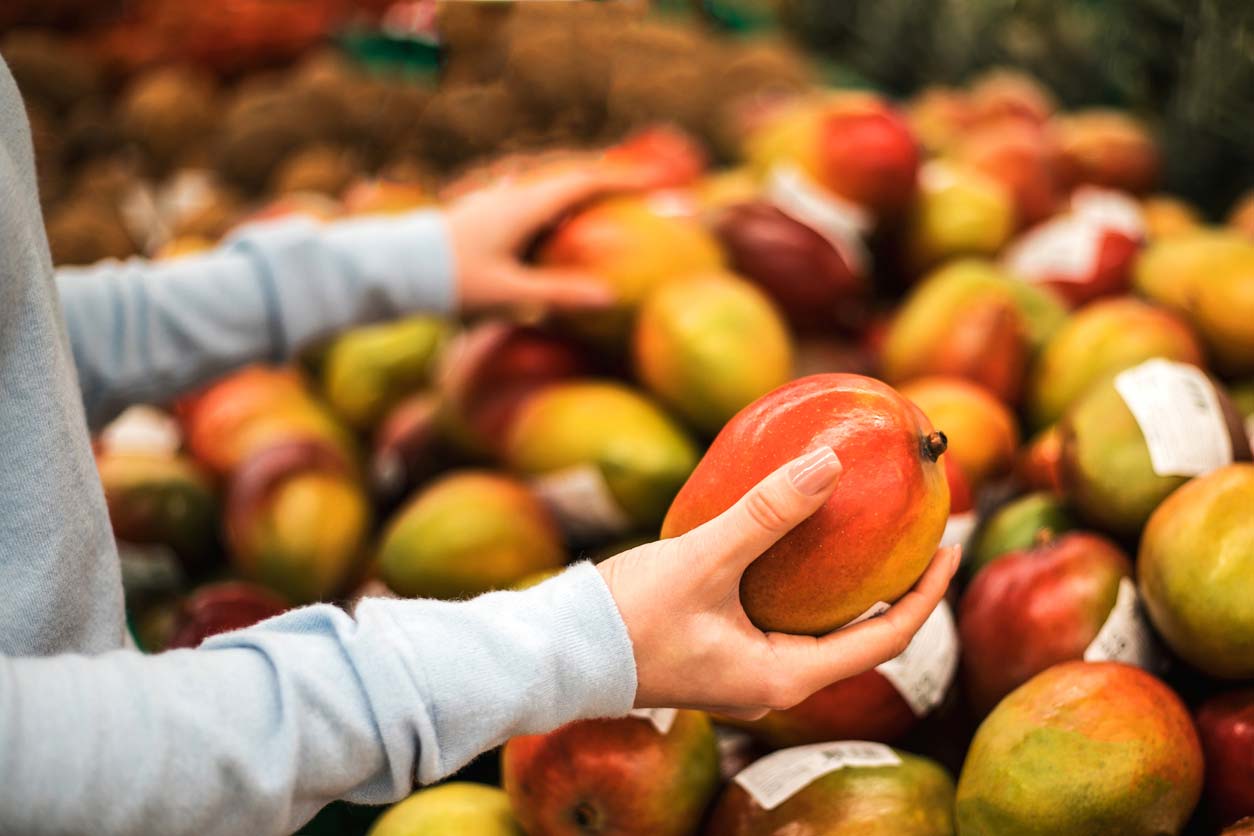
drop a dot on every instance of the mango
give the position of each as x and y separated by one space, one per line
816 279
1168 271
1021 157
162 499
1167 216
1086 749
1038 467
488 371
1107 148
297 520
408 447
1035 607
1225 723
368 370
873 537
466 533
452 809
219 608
708 346
633 245
1241 216
957 212
983 434
1196 570
642 774
898 794
605 457
1018 525
1101 339
969 319
1106 466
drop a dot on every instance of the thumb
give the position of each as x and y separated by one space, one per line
770 509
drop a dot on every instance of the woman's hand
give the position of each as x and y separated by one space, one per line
491 225
693 643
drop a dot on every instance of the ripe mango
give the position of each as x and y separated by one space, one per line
452 809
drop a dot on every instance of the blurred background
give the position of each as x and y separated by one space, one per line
282 96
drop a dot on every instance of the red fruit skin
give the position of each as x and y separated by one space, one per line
1111 275
1018 155
214 415
1039 465
1032 609
620 775
869 156
492 369
220 608
862 707
988 345
1225 724
873 537
671 157
799 268
407 448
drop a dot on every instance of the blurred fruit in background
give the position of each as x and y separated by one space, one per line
1107 148
1019 525
297 520
708 346
1196 571
366 371
466 533
959 211
1225 724
653 773
969 319
1105 732
219 608
605 459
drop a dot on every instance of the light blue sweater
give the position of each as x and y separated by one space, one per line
256 730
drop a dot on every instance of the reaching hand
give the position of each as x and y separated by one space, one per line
491 225
695 647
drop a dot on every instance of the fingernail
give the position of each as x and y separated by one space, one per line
815 471
955 559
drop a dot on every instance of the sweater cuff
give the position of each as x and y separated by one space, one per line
512 663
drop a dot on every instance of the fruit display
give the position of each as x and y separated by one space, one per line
990 300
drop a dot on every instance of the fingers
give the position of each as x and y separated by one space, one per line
811 663
550 288
544 196
770 509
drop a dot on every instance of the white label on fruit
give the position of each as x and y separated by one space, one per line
1110 210
582 502
959 529
806 202
1126 636
661 718
1062 249
878 608
142 429
774 779
1178 411
923 672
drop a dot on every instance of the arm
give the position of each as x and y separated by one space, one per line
257 729
145 331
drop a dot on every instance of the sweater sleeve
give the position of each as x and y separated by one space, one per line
256 730
145 331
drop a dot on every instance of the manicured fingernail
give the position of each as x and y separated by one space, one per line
955 559
815 471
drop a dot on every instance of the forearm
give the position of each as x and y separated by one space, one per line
256 730
145 331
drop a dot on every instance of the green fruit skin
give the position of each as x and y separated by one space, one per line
366 371
1106 466
1196 571
642 453
161 499
1082 749
923 321
454 809
914 798
1016 525
467 533
710 346
1100 340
